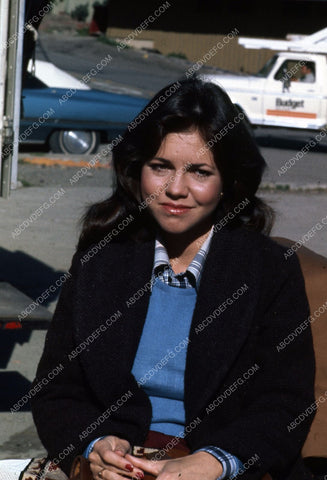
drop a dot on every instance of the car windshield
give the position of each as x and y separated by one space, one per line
32 82
266 69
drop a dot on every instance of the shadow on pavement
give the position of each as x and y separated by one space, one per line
29 275
289 140
33 278
14 387
8 339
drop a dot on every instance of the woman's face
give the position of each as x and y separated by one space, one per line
181 186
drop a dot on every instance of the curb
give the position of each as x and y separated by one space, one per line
65 162
293 187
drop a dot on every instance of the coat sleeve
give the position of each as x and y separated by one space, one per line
273 414
64 409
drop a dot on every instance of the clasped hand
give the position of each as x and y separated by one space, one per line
111 459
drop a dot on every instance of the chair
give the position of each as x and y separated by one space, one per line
314 269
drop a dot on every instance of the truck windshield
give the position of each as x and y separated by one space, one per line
266 69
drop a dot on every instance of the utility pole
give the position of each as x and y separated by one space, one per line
11 37
4 18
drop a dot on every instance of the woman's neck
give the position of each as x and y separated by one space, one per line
182 248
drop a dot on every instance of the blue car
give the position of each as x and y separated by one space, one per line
74 120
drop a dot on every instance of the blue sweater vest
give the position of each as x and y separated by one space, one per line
159 364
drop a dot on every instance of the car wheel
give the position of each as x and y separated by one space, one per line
74 141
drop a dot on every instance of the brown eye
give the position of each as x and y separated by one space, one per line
158 167
202 173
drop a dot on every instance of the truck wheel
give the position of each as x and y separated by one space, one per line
78 142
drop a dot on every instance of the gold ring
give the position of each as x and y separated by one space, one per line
100 473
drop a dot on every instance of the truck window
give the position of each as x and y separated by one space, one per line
266 69
296 71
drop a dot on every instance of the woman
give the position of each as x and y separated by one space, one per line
174 309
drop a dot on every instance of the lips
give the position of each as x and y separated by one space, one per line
175 209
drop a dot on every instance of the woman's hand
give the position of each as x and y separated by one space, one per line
197 466
108 462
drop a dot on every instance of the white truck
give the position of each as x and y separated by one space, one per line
290 90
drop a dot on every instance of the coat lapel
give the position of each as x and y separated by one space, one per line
220 322
121 283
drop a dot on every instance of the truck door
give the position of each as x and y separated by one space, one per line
291 97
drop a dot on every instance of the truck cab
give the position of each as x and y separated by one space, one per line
289 91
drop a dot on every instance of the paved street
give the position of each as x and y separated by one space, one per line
128 71
300 169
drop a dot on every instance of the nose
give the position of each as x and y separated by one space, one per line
177 187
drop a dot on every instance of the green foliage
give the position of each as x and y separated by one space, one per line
177 55
83 32
80 13
109 41
283 187
25 183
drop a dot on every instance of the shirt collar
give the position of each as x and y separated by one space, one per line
194 269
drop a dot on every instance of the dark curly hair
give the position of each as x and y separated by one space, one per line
184 105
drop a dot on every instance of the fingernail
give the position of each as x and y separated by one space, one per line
129 467
139 475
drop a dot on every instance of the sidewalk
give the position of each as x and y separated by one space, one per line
42 251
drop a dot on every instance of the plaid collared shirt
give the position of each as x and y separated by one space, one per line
192 275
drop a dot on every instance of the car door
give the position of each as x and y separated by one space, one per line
292 99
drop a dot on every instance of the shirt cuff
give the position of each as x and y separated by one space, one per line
231 464
90 447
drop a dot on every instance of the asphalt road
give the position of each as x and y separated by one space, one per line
129 70
287 165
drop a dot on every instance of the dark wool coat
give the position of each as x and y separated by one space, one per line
248 415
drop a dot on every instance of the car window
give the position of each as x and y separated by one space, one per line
33 82
266 69
296 71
